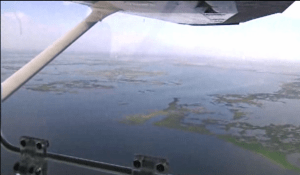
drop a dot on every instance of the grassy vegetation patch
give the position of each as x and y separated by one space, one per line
173 120
275 156
141 118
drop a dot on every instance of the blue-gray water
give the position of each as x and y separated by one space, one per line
83 104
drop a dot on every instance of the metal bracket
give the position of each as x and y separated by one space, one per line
148 165
33 153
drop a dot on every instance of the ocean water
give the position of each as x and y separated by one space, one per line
109 109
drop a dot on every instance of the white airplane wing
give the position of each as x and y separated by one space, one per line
195 12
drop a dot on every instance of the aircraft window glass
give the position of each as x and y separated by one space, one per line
210 99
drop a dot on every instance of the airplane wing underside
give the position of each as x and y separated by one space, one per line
195 12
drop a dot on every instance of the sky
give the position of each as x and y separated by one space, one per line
35 25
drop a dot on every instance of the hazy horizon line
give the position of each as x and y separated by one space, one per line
188 57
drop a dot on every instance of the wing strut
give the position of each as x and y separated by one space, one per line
24 74
19 78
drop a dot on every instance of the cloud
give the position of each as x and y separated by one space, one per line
268 37
15 16
66 3
33 35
